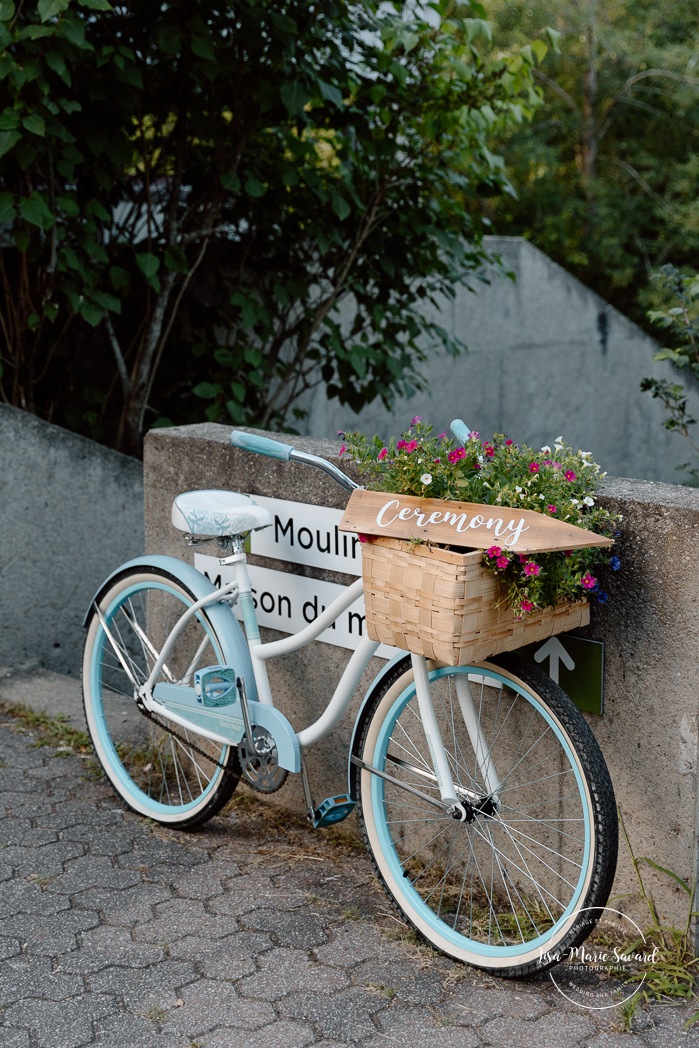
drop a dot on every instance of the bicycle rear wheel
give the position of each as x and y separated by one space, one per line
166 772
502 891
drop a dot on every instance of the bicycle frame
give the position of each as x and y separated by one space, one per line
239 589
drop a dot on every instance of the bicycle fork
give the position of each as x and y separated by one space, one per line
459 803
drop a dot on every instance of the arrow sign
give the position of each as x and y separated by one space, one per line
467 524
554 651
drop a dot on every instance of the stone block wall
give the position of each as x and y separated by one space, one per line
648 731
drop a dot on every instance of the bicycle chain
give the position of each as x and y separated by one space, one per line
186 742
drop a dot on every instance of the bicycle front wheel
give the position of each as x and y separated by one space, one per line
503 890
166 772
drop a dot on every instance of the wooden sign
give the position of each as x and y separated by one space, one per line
462 523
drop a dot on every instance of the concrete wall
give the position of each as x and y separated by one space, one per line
648 732
546 356
70 510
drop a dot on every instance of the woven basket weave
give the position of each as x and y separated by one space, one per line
441 604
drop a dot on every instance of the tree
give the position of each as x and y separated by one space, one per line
677 312
189 191
607 171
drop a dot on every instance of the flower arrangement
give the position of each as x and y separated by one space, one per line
555 480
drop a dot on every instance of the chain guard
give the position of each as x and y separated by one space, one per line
259 762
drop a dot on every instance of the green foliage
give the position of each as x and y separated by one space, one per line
677 296
607 171
189 192
559 483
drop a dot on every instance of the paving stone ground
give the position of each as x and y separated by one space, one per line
253 931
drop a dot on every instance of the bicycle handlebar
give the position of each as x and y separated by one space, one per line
287 453
261 445
460 430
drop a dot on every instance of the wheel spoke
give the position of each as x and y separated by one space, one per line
162 770
504 884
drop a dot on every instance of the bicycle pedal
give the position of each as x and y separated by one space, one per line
332 809
216 686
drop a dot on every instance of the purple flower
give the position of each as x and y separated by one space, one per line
615 563
418 418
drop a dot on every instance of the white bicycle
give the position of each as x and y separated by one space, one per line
482 795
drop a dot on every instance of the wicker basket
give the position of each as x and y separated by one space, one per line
441 604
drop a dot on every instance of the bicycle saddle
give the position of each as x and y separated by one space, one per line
218 513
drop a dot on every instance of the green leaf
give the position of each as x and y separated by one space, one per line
91 313
50 8
149 266
332 93
7 209
34 210
36 124
340 206
207 390
8 140
254 188
201 46
119 277
96 5
294 95
7 10
56 61
230 182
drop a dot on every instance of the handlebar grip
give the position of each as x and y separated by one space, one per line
261 445
460 430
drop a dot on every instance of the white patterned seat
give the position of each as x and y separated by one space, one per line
218 513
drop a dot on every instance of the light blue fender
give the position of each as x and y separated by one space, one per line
228 631
352 771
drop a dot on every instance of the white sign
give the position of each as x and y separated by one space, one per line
303 534
289 603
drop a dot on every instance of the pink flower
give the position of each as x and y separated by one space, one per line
532 568
533 467
418 418
494 551
588 581
508 443
502 561
488 449
402 444
411 446
456 454
382 454
343 449
362 538
527 605
557 465
442 436
473 434
546 462
552 509
569 475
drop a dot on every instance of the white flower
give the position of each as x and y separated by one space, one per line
517 487
546 449
426 478
585 454
588 501
542 497
575 502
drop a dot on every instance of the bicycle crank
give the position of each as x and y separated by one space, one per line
259 762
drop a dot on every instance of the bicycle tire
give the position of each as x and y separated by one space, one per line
503 892
163 771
